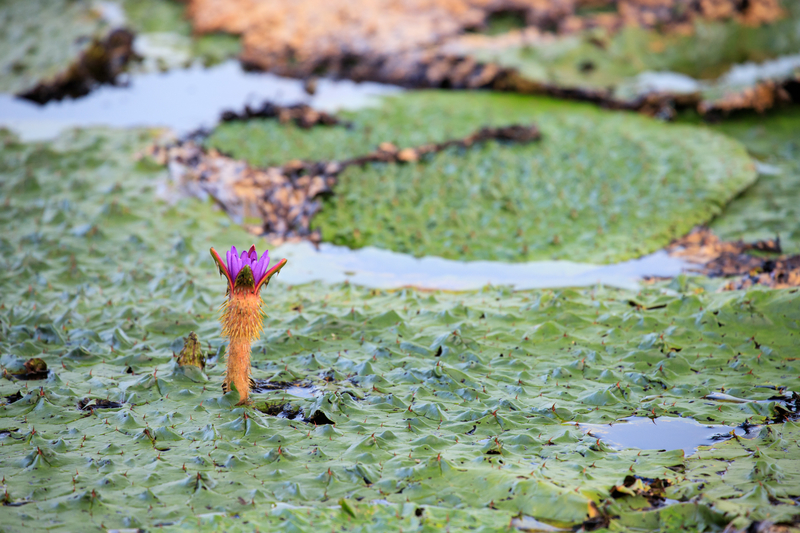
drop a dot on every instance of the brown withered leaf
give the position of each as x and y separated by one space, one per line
101 63
300 114
718 258
401 41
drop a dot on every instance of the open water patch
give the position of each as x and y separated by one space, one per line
184 100
663 433
377 268
296 389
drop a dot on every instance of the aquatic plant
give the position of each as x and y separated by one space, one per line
242 313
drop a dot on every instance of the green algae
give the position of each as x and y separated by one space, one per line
39 38
450 410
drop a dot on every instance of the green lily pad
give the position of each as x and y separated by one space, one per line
39 38
588 191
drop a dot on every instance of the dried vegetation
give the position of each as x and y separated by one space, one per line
304 36
101 63
736 259
428 43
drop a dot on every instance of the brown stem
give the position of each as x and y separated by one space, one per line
238 373
242 324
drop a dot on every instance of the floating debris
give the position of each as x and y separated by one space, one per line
760 97
101 63
302 115
282 199
32 369
90 404
731 259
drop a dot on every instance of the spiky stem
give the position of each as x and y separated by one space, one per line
242 324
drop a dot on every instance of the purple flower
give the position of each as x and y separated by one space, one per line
235 262
250 258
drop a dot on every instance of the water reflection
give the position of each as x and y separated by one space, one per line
376 268
184 100
663 433
303 392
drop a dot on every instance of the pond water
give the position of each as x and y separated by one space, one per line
663 433
738 76
303 392
378 268
184 100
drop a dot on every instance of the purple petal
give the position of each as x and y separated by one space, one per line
261 267
232 253
237 260
234 263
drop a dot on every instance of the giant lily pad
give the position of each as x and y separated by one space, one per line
598 187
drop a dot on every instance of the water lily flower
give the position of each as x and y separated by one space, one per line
242 312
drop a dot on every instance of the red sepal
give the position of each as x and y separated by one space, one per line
223 270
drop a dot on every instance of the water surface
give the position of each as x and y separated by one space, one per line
663 433
378 268
184 100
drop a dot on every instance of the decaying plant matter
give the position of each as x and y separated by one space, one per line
242 313
306 36
762 96
735 259
101 63
302 115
